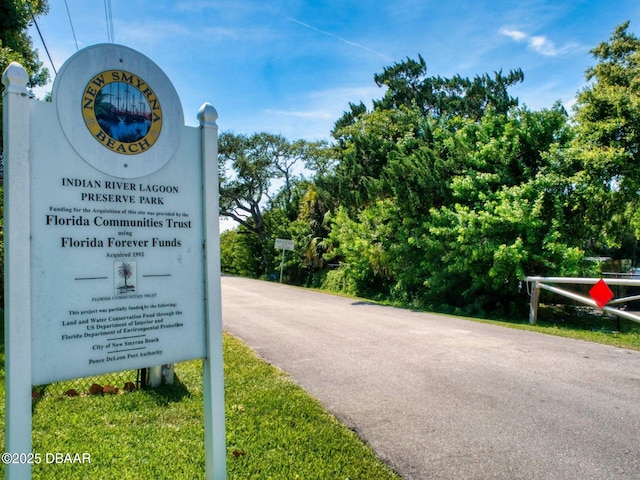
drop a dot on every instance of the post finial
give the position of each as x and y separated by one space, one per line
207 115
15 79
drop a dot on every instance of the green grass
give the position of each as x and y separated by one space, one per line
583 324
563 321
274 429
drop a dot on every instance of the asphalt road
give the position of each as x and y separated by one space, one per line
439 397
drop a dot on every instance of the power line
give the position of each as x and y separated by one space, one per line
71 23
41 37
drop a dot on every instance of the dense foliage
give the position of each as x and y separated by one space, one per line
607 143
15 43
447 193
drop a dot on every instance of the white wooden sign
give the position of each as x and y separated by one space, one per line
111 231
116 226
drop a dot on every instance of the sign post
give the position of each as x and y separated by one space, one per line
17 270
283 244
213 379
109 201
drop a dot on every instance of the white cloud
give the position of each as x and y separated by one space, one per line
543 45
517 35
537 43
568 105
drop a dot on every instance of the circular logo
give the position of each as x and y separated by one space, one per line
112 118
122 112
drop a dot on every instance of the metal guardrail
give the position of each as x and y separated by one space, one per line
543 283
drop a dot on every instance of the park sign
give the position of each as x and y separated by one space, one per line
116 227
111 230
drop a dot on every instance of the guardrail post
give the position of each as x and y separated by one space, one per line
533 306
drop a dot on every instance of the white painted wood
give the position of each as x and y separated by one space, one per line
538 284
213 372
17 273
584 280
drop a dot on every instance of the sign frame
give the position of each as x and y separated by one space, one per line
19 138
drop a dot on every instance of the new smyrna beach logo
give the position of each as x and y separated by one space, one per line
122 112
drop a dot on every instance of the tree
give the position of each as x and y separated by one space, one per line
259 174
477 256
607 143
237 253
310 231
459 209
362 248
246 172
409 85
125 271
15 43
406 122
366 143
249 168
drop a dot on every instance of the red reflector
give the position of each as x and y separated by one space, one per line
601 293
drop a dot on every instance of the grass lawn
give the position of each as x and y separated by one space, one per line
274 429
584 324
571 322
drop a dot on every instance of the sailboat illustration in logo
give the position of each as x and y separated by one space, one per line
122 112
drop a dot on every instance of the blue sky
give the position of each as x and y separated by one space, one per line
292 67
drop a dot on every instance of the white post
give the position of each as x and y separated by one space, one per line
214 428
154 378
533 306
17 269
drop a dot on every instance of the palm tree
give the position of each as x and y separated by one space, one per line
125 270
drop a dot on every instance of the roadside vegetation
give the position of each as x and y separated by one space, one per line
573 322
563 320
447 192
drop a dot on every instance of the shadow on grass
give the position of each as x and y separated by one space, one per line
572 317
166 394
